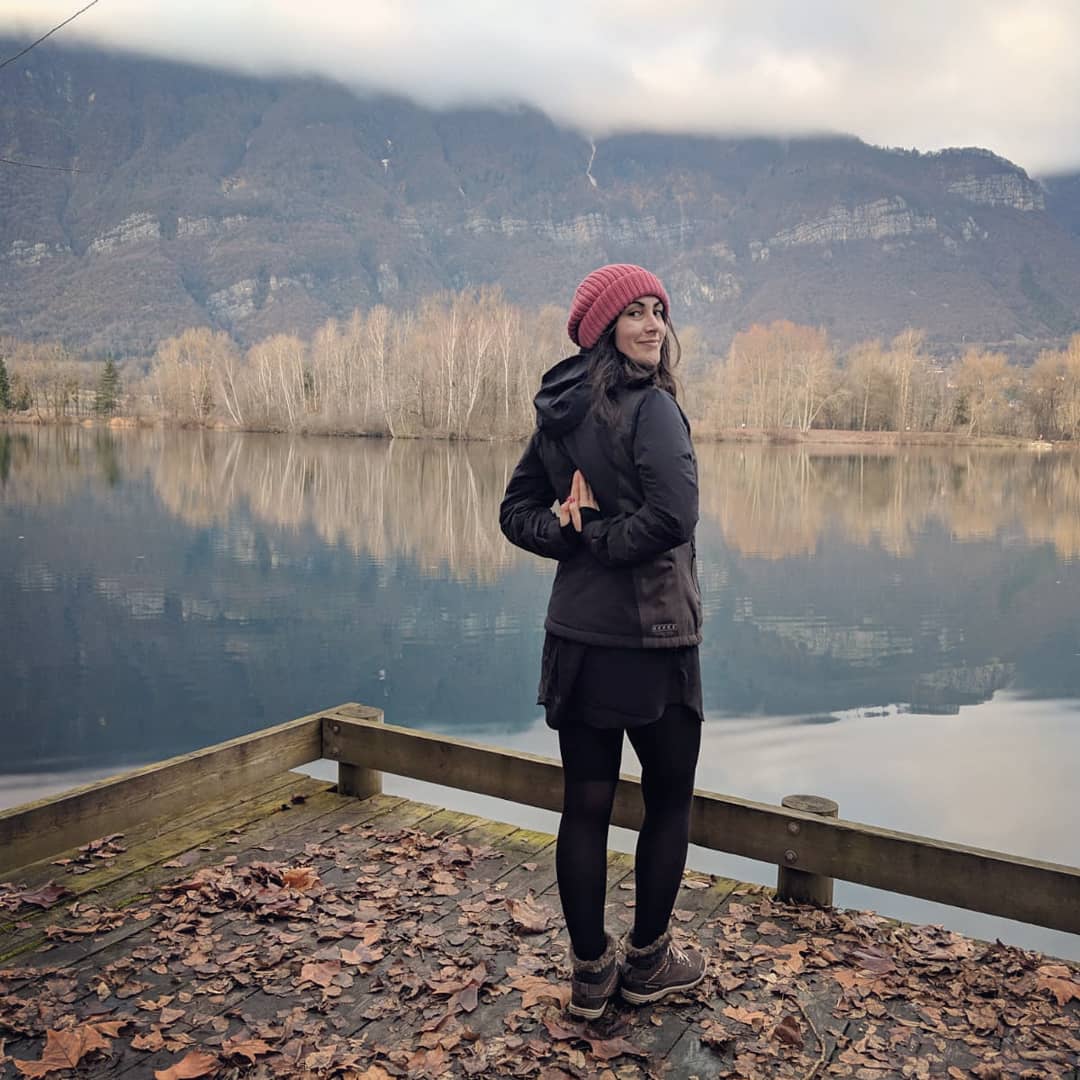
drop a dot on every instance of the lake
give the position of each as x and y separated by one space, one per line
897 630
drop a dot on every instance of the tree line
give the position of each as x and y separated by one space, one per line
467 364
786 376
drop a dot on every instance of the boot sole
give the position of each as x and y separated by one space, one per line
586 1013
636 998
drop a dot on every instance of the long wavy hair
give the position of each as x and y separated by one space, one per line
610 370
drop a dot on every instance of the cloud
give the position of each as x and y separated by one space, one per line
993 73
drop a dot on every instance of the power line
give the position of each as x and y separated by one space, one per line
12 59
33 165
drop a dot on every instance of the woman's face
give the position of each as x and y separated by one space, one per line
640 330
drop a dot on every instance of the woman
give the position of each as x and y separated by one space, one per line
608 487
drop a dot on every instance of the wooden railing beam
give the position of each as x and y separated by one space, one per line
44 828
1042 893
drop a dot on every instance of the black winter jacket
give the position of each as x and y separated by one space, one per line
629 579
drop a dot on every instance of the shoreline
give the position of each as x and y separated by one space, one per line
816 437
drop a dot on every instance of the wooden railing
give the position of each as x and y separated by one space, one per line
1042 893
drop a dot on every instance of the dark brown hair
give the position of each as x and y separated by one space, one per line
610 370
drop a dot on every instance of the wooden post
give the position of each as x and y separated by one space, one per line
355 780
800 886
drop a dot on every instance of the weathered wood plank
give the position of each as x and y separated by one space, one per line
40 829
139 868
130 888
1033 891
207 818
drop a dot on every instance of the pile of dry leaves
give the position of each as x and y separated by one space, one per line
377 953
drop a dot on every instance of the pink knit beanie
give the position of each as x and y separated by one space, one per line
603 294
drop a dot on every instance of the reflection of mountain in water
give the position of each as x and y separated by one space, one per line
174 589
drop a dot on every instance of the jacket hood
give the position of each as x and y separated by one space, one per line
563 398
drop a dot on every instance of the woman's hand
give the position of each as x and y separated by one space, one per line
580 495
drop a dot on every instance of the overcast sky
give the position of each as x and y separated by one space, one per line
1002 74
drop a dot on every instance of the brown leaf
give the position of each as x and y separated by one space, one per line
606 1049
753 1018
535 989
194 1064
982 1017
527 915
716 1036
373 1072
45 896
322 973
788 1031
362 955
1054 977
152 1040
434 1061
249 1048
301 878
458 981
170 1016
63 1050
789 960
872 960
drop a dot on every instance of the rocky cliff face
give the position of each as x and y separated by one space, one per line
258 207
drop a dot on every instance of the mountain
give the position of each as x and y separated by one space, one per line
263 205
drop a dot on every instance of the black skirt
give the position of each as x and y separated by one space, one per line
616 688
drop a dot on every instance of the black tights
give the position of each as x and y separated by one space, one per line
668 752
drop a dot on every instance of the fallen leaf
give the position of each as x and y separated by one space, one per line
752 1017
362 955
535 989
606 1049
45 896
527 915
322 973
716 1036
249 1048
982 1017
65 1049
194 1064
301 878
1053 977
872 960
788 1031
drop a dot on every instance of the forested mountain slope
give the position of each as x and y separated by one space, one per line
258 205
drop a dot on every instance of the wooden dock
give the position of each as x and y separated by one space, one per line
287 930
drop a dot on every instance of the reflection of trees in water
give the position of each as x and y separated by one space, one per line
437 502
776 502
42 465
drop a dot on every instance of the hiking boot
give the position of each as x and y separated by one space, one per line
659 969
595 982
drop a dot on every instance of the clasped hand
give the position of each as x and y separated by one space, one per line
580 495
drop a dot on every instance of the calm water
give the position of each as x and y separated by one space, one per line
900 631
